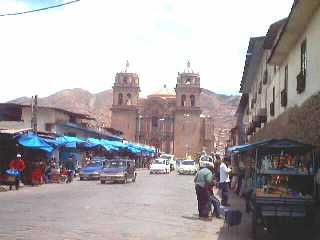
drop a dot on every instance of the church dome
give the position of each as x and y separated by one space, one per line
164 92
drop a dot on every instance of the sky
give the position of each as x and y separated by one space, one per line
83 45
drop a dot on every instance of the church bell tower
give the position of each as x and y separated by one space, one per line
187 115
125 103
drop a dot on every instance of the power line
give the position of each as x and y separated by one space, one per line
39 9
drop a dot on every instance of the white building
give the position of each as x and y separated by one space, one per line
297 56
281 75
49 120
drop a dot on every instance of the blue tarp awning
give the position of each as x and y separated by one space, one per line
272 144
69 142
32 141
141 149
46 144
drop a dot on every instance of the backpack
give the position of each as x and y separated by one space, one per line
233 217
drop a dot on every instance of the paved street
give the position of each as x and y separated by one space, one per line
155 207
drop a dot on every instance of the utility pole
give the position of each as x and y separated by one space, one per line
32 119
34 111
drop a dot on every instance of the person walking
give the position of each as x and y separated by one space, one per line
224 182
202 180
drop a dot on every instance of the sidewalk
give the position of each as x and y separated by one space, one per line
243 231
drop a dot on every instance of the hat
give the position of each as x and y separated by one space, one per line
19 155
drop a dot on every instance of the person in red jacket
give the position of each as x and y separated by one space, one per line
19 165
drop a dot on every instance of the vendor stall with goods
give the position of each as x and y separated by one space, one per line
282 181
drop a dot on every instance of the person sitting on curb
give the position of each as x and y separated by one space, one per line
213 201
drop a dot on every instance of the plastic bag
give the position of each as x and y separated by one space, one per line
13 172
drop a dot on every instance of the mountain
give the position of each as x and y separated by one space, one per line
78 100
220 107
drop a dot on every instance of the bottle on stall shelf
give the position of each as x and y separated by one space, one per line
310 170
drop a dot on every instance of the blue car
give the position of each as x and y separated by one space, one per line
91 171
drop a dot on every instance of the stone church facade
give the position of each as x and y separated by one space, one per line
169 120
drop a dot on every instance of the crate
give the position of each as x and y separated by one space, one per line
55 177
11 179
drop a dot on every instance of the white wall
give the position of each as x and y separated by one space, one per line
14 125
276 75
312 35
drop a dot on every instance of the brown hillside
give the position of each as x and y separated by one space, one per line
220 107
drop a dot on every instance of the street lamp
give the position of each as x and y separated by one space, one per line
162 132
139 127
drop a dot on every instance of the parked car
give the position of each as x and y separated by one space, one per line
91 171
119 170
179 162
188 167
160 165
172 160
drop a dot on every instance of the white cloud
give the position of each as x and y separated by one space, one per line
85 44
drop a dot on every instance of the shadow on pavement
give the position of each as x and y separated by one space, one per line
196 218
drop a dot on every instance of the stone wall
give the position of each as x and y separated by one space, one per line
297 123
125 120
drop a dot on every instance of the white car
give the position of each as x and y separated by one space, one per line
160 165
206 160
188 167
172 160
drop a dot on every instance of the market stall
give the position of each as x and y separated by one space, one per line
283 183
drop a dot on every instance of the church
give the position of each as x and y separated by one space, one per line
171 121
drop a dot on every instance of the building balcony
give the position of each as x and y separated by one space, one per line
250 129
260 88
253 102
272 109
284 98
301 82
262 114
256 122
265 77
